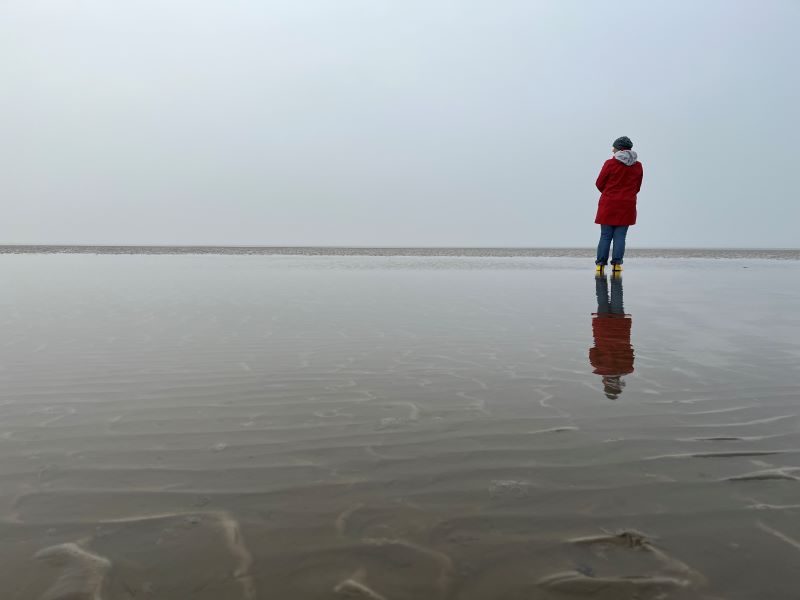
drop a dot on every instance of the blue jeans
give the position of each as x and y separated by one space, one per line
616 305
608 233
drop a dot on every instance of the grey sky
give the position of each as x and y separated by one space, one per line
369 122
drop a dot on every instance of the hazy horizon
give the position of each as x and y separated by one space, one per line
375 124
378 247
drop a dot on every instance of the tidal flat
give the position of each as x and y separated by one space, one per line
399 427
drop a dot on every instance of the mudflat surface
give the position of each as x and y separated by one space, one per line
398 427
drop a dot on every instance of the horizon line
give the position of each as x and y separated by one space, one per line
381 247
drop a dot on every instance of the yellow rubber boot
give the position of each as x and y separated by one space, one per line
599 270
616 269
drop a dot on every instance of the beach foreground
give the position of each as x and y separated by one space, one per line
388 427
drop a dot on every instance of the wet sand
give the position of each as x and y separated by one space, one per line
398 427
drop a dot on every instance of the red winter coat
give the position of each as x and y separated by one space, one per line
612 353
618 184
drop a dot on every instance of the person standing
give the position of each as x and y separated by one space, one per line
619 182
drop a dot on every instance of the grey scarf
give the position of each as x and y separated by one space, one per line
626 157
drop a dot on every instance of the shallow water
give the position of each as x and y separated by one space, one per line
398 427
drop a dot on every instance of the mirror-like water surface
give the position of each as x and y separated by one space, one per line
258 427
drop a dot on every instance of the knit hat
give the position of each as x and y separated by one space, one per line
623 143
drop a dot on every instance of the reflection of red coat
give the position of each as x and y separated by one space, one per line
618 184
612 353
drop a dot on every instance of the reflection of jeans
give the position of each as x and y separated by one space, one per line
608 233
615 307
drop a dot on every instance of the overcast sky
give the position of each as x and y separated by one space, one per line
414 122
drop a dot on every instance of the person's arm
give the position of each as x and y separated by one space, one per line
603 177
641 176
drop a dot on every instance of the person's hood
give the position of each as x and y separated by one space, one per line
626 157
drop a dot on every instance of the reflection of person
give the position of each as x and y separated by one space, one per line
619 181
612 354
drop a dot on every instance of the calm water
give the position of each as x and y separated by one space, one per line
399 427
